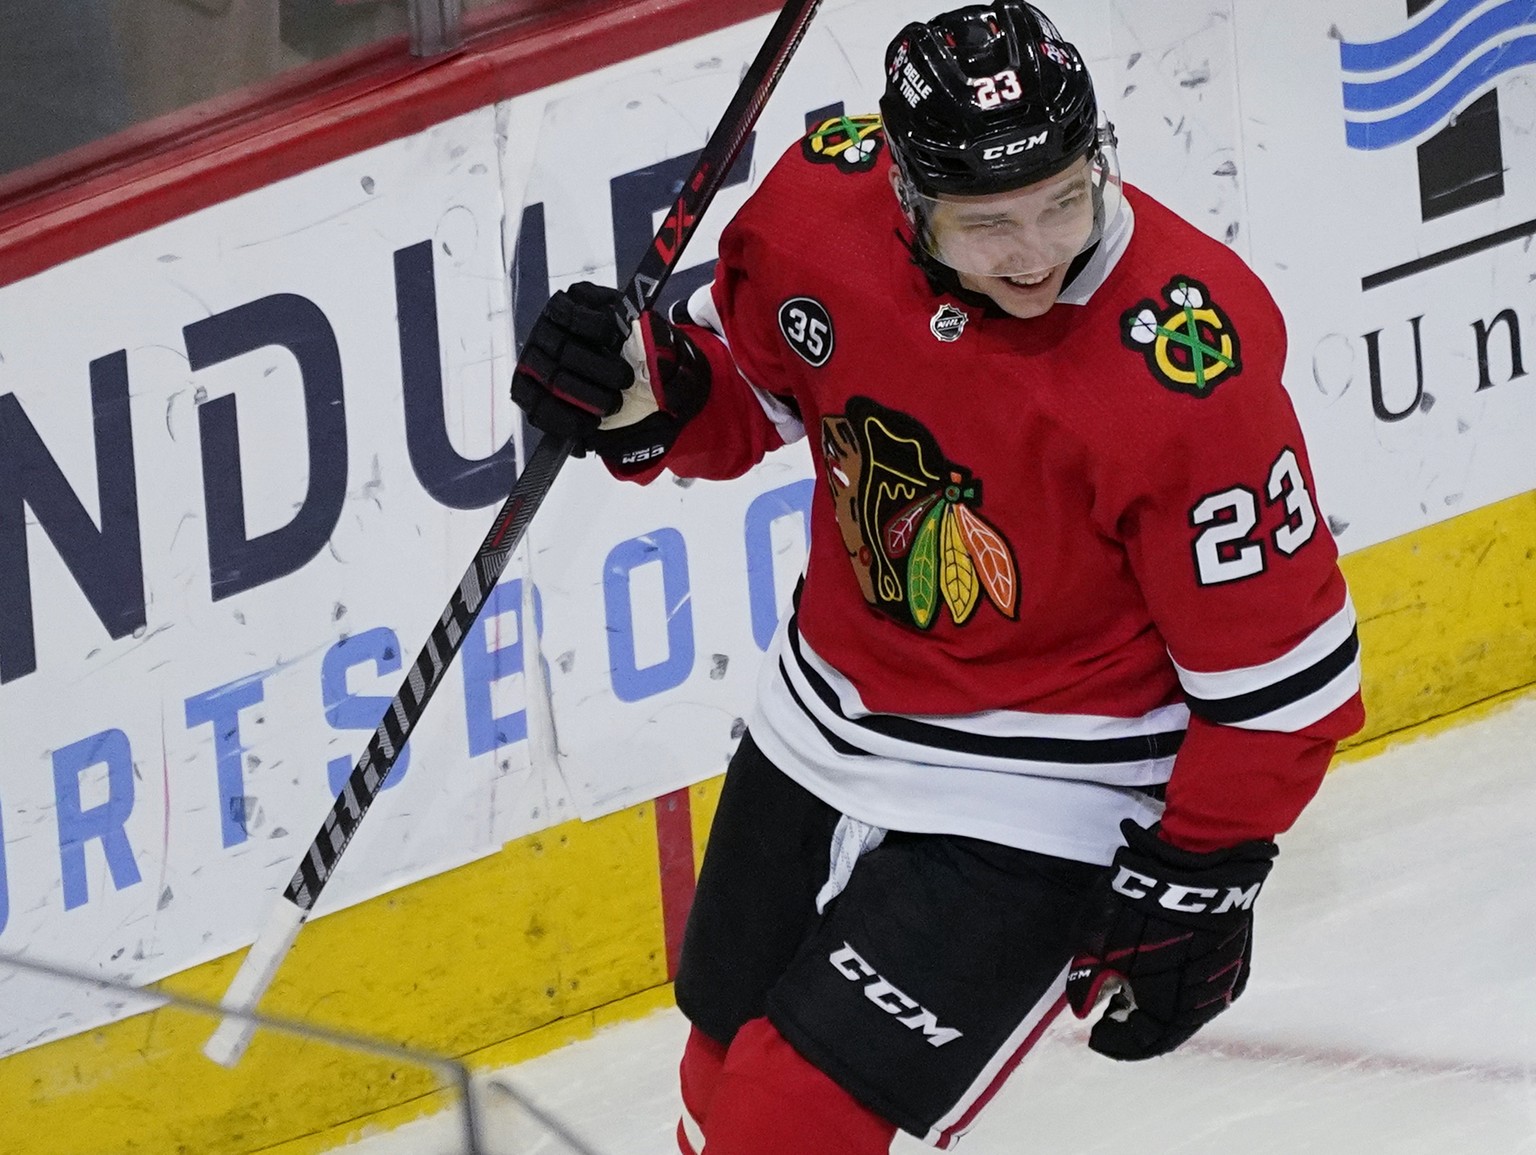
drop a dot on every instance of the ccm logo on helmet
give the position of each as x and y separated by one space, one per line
890 1000
1013 148
1186 899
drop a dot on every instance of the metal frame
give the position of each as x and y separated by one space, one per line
437 26
452 1072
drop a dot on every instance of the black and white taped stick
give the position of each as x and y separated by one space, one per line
291 911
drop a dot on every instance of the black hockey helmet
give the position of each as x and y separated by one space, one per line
985 99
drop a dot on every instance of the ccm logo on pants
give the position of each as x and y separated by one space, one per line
890 1000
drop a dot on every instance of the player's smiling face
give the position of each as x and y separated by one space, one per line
1016 246
1025 296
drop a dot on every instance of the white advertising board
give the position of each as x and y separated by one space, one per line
245 456
222 534
1378 169
1406 309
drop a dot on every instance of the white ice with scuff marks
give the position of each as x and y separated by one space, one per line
1392 1009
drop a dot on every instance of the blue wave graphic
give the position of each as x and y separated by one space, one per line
1407 125
1376 55
1417 82
1375 95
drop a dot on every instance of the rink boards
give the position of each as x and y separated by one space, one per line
252 439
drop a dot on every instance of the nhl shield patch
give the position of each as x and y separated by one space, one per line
948 323
1187 341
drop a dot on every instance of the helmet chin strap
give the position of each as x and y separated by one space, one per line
943 281
941 278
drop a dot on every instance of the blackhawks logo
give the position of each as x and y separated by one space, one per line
1189 344
849 142
911 520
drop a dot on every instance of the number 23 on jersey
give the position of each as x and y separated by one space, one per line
1226 548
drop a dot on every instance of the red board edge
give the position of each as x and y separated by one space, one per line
175 167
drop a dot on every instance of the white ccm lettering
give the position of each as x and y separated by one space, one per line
888 998
1013 148
1239 898
1185 899
924 1021
1126 877
850 965
635 456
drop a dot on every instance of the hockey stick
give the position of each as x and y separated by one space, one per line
290 912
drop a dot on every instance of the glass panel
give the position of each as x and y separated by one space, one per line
300 1081
517 9
72 73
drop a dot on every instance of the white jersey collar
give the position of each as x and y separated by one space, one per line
1111 248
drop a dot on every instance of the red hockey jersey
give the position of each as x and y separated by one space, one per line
1054 563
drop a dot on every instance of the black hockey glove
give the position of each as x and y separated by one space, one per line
1173 931
624 399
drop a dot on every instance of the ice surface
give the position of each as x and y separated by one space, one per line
1392 1008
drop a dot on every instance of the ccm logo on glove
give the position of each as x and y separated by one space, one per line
1189 899
1170 933
641 456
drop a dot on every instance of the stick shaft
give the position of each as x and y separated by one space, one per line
289 913
405 709
716 157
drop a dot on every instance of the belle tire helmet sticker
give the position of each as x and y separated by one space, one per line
807 328
1189 343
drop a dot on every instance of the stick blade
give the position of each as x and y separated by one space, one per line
226 1046
229 1041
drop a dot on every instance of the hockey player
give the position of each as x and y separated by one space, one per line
1072 645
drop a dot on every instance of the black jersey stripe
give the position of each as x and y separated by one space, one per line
1069 751
1277 695
838 744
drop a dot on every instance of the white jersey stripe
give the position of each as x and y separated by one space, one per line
1068 809
1010 723
1305 711
790 427
1316 646
690 1136
1122 751
701 310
